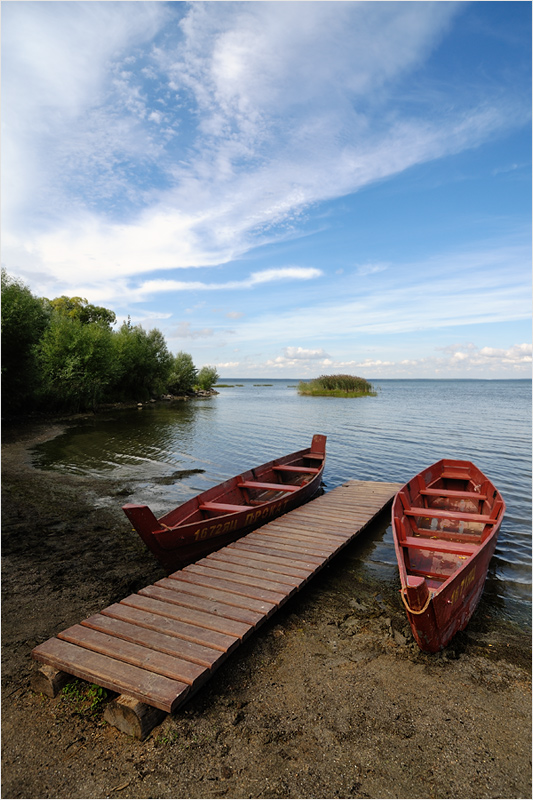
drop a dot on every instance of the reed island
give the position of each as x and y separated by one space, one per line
337 386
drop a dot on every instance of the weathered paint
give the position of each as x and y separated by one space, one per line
455 573
188 533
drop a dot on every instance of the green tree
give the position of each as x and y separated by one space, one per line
24 320
207 377
76 362
142 360
79 308
183 375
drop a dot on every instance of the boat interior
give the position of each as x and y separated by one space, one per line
442 517
267 483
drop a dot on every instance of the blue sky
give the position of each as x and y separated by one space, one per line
283 189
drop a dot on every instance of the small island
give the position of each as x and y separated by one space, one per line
337 386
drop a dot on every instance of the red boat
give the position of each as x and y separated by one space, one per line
445 523
225 512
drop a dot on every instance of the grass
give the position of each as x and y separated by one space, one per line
84 699
337 386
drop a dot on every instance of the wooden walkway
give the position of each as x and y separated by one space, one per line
160 645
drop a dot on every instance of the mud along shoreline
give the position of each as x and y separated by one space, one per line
330 698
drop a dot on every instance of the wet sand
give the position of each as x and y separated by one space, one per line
330 698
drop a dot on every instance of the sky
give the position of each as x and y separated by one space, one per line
284 189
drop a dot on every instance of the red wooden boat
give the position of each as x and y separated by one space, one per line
225 512
445 523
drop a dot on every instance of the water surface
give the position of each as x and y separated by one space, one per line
166 453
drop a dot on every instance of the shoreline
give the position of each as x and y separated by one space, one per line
329 698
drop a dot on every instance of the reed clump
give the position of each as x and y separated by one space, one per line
337 386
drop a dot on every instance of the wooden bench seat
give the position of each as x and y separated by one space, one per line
452 493
304 470
225 508
274 487
438 546
439 513
455 475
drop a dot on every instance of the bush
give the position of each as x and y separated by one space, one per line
183 374
207 377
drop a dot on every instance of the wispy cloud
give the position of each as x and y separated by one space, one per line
181 141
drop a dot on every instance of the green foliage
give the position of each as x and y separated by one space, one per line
24 320
64 354
76 362
142 362
207 377
84 699
79 308
337 386
183 375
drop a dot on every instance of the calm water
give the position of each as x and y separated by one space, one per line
166 454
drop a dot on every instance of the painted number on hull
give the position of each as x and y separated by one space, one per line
207 532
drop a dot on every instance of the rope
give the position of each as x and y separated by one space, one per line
409 609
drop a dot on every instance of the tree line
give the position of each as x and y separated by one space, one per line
64 355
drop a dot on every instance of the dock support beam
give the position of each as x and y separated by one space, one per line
133 717
48 680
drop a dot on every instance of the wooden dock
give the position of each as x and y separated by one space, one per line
158 646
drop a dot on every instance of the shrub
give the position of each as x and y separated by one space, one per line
207 377
183 374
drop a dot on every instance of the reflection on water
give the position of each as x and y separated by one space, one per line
164 454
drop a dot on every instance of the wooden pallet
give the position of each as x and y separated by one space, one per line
157 647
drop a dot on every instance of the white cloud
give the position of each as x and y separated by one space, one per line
484 362
186 331
265 135
302 353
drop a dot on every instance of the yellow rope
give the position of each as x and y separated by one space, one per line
410 610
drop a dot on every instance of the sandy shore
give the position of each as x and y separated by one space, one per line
331 698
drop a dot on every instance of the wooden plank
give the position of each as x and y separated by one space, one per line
302 539
282 589
225 629
242 547
171 626
153 660
438 546
287 546
218 583
301 470
190 651
194 586
233 557
263 576
224 508
172 594
314 534
452 493
269 487
156 690
276 550
444 514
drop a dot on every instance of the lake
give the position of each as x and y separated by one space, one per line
165 453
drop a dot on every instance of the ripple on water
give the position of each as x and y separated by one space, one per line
391 437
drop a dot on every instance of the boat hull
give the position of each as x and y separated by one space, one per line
199 526
445 532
